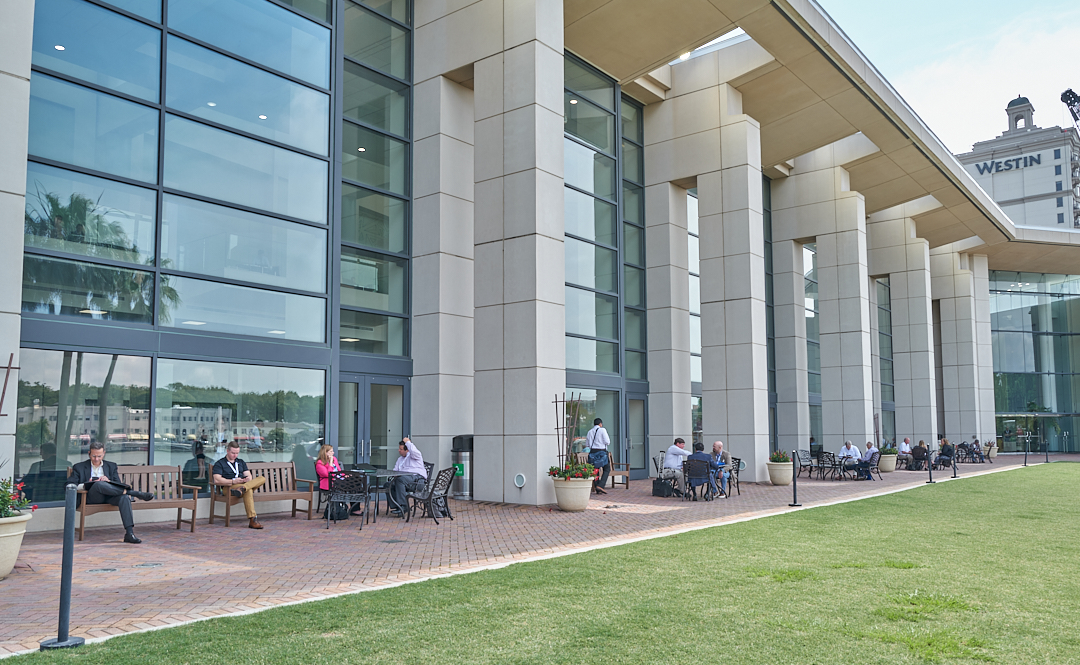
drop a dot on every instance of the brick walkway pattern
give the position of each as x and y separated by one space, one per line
176 576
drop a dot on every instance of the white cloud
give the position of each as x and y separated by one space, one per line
962 95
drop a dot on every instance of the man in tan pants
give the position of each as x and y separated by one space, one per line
233 472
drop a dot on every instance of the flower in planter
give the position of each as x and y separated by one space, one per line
779 456
12 500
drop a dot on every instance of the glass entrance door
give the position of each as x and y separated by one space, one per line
373 417
636 430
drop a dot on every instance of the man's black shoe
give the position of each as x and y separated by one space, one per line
130 537
142 496
678 493
237 493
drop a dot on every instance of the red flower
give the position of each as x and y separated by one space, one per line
19 486
33 507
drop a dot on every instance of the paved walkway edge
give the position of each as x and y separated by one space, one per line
543 557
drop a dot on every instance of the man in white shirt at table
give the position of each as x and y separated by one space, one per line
411 463
673 460
849 455
905 451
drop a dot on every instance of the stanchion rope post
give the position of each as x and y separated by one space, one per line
794 482
63 640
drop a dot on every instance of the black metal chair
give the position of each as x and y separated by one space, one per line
347 489
806 463
828 464
737 465
696 474
433 497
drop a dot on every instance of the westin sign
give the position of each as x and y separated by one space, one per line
1008 164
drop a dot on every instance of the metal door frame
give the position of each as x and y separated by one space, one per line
363 411
642 473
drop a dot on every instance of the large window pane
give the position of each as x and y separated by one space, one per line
396 9
194 304
591 265
376 42
695 294
218 164
634 324
259 31
591 314
631 122
633 204
588 170
633 162
375 99
695 334
693 254
81 214
589 84
592 356
78 126
634 238
150 9
370 158
692 219
226 91
695 369
588 123
589 218
66 400
224 242
373 281
68 38
371 219
373 333
276 414
74 288
320 9
635 365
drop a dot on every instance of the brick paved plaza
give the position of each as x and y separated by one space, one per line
176 576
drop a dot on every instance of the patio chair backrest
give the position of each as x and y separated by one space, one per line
442 482
827 458
581 458
804 457
344 482
696 469
658 462
874 459
430 468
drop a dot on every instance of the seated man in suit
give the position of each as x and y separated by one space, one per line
700 454
94 476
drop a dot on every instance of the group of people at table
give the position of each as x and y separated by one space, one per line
719 462
412 475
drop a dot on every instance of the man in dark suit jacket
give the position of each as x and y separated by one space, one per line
93 475
700 454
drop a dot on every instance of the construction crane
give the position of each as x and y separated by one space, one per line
1072 101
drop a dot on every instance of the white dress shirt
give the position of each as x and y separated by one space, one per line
905 448
674 457
597 438
853 451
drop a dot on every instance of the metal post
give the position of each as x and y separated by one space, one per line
930 468
1027 442
63 640
794 482
1046 449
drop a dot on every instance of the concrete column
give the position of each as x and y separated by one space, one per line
987 423
668 303
789 324
953 285
16 38
895 251
520 352
442 267
734 389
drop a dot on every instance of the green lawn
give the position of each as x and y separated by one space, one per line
983 569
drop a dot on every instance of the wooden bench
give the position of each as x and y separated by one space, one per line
164 482
280 485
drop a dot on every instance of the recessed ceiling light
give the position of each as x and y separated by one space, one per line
262 117
361 149
58 47
573 101
194 323
349 339
684 56
91 311
211 103
277 332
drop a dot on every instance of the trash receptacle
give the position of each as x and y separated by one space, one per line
461 458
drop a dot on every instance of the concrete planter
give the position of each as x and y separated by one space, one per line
572 494
780 473
887 463
11 535
991 452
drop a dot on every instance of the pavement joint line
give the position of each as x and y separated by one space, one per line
782 510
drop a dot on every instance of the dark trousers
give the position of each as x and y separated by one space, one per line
400 486
100 492
599 459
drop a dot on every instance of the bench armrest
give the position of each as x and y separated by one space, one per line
305 480
190 487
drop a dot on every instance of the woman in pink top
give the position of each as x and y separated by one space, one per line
325 465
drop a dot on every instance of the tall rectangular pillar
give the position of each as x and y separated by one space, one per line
520 352
442 267
16 38
953 286
789 326
734 389
668 300
987 420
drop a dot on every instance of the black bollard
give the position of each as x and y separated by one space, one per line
1046 449
1027 442
63 640
930 469
955 459
794 482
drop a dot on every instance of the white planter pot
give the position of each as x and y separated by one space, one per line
887 463
11 536
572 494
780 473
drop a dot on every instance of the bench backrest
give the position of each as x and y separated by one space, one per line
280 476
161 481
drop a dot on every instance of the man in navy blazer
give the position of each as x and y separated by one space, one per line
94 474
700 454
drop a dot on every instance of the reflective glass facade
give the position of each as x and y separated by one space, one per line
1035 329
813 340
885 361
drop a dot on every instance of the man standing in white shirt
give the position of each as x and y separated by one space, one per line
849 455
597 442
673 460
905 451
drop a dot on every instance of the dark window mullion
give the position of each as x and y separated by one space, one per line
590 146
378 190
248 135
74 80
613 202
217 279
374 128
379 312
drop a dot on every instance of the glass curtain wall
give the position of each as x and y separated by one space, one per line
770 324
813 341
1035 330
633 206
693 254
376 165
178 173
885 362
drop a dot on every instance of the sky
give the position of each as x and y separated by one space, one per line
957 63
